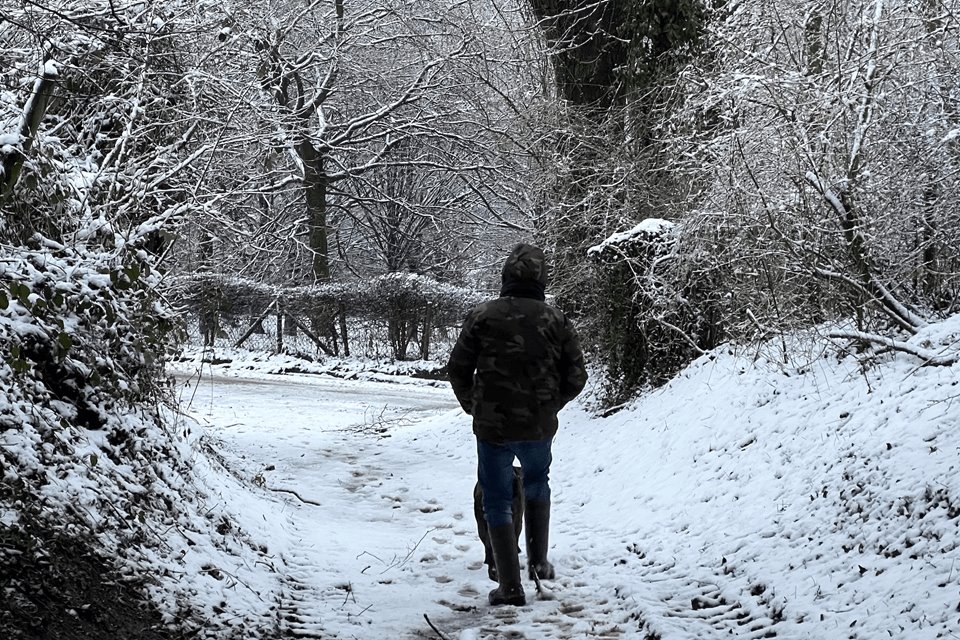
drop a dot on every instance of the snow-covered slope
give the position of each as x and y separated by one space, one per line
820 501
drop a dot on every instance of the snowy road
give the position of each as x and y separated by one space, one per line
365 494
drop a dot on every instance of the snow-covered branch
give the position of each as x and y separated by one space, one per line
929 357
906 318
34 110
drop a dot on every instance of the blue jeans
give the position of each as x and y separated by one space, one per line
495 472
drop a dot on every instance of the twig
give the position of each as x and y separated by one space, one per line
349 592
298 496
237 580
412 551
435 630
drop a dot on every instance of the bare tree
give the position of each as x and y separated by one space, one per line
318 111
831 158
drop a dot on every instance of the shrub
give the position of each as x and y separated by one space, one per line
658 309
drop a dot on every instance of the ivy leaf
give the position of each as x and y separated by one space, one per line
4 301
132 272
65 341
21 292
93 459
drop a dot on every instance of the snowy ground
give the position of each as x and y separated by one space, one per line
746 499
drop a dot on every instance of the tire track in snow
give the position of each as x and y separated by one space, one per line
596 596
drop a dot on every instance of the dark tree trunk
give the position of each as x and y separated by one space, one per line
315 184
343 331
585 50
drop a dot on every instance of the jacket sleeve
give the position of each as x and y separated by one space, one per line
463 363
573 371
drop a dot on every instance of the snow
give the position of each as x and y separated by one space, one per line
233 362
650 227
818 499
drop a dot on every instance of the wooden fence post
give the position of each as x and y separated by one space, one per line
279 327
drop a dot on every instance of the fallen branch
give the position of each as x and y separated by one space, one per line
435 630
256 323
311 335
297 495
929 357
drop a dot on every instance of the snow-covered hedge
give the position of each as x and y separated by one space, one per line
407 306
373 298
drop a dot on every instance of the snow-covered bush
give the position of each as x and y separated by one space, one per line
87 460
80 333
658 311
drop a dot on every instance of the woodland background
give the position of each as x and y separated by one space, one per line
700 172
219 155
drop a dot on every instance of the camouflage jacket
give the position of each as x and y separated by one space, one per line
516 363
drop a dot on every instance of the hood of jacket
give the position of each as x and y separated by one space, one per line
526 263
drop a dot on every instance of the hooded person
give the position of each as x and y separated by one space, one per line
516 363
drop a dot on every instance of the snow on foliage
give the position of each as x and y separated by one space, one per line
90 450
82 329
645 231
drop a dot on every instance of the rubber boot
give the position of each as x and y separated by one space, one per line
504 543
538 538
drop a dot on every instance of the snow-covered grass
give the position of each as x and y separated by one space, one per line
233 362
748 498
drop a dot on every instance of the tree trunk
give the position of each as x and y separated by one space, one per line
425 336
33 112
279 328
585 50
315 185
343 331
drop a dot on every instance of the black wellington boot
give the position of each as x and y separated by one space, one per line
504 542
537 517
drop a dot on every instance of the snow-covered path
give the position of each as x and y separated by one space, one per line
366 497
742 500
368 490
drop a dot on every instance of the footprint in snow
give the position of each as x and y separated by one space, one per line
468 591
430 508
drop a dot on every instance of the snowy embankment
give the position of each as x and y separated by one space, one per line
819 501
747 498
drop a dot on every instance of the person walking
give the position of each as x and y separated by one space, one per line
516 363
